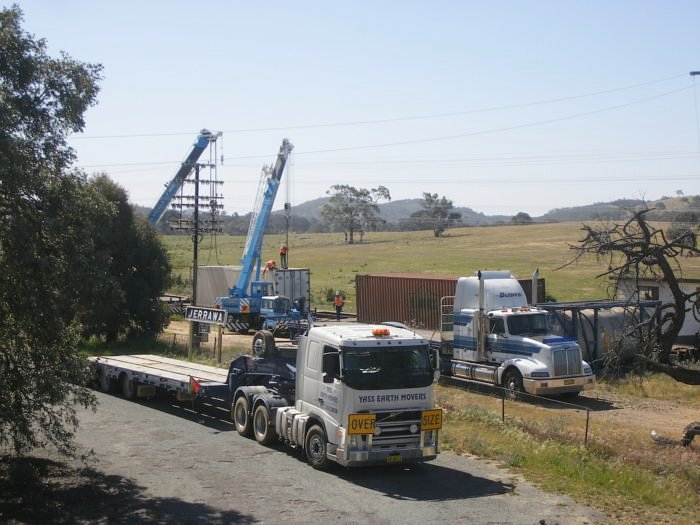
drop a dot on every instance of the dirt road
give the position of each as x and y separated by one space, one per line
157 463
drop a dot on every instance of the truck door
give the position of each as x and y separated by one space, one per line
312 374
497 338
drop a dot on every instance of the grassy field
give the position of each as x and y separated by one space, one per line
334 264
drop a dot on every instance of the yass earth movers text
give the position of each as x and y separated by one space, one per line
353 394
489 334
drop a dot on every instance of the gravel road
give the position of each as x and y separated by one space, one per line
159 463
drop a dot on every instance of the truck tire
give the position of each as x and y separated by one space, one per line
315 446
264 344
262 430
128 387
513 383
241 417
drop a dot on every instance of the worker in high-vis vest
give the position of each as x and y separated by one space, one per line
269 265
338 301
283 256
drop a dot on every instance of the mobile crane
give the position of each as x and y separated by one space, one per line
244 301
204 139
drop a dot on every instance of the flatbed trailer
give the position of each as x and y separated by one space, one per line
145 374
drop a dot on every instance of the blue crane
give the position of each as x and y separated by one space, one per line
243 302
204 139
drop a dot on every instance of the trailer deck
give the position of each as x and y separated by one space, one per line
163 372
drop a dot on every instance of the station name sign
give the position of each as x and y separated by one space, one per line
205 315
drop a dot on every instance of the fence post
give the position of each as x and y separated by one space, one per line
585 436
503 405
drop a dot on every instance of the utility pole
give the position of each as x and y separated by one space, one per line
693 74
194 326
198 229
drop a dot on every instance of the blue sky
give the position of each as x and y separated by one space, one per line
502 106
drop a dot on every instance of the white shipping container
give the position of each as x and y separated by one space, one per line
214 281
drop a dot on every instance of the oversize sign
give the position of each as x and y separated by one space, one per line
205 315
361 423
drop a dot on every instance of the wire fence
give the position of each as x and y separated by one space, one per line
542 416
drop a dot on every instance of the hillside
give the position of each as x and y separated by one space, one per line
396 211
307 215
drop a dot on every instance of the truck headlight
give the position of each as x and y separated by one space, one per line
542 374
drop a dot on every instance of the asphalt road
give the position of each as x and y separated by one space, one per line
159 463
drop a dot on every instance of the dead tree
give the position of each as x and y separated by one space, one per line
638 250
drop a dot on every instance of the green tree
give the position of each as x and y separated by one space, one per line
436 213
521 218
46 244
353 210
132 270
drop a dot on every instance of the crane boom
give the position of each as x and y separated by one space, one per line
267 191
204 138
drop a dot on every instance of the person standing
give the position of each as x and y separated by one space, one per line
338 301
283 256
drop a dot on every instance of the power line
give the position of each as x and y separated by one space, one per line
394 119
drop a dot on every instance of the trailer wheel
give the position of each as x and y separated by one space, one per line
128 387
240 416
315 446
264 433
264 344
513 382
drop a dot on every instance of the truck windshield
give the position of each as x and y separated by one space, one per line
527 324
282 305
386 368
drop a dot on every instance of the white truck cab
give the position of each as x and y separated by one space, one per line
494 326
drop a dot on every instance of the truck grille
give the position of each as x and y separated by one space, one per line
567 362
395 430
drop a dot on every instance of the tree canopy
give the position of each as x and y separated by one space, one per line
436 213
521 218
353 210
64 243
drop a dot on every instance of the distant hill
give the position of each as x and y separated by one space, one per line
396 211
665 208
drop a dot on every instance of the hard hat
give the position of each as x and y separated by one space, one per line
337 292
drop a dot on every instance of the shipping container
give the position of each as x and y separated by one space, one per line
412 299
214 281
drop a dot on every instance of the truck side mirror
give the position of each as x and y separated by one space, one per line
435 362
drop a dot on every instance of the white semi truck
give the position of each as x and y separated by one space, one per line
352 394
490 334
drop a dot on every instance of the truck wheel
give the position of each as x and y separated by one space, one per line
513 382
315 446
128 387
240 416
264 433
264 344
